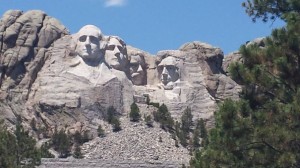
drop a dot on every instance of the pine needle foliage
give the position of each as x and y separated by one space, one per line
262 129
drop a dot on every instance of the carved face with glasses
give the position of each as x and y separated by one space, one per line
88 43
116 53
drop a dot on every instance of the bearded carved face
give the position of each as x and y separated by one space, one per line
88 43
168 70
116 53
137 70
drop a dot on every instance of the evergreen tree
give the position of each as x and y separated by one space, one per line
44 151
19 149
163 116
111 114
262 129
86 137
8 148
186 120
33 125
196 136
26 152
203 132
77 138
61 143
116 124
100 131
148 120
77 152
134 114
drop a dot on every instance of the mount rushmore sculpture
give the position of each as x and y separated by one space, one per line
63 79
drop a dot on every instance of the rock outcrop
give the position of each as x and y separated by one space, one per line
69 81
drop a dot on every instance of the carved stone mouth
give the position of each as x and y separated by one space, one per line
135 74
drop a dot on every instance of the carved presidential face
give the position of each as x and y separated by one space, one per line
137 70
88 43
168 70
116 53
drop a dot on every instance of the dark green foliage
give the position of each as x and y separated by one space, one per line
77 138
116 125
25 146
203 132
77 152
33 125
80 139
100 131
196 136
271 9
182 136
186 120
44 150
61 143
262 129
113 119
111 114
19 149
86 137
134 114
149 121
164 117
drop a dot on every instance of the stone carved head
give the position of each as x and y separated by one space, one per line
88 43
138 70
116 53
168 70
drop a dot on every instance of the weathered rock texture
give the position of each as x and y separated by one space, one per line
42 79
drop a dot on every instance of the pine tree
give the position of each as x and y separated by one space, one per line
77 152
26 152
262 129
203 132
116 124
111 114
77 138
61 143
134 114
186 120
33 125
18 149
163 116
196 136
148 120
44 151
100 131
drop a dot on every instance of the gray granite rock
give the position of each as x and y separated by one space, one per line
69 81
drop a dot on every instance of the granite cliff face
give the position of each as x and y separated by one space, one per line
61 81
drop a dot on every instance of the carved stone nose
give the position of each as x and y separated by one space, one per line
117 54
140 69
164 72
87 41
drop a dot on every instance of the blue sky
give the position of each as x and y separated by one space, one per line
154 25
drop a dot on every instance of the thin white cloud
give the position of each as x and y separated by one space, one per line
111 3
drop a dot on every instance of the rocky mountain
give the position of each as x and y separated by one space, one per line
68 81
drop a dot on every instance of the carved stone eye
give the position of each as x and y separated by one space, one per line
82 38
111 47
120 48
94 39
